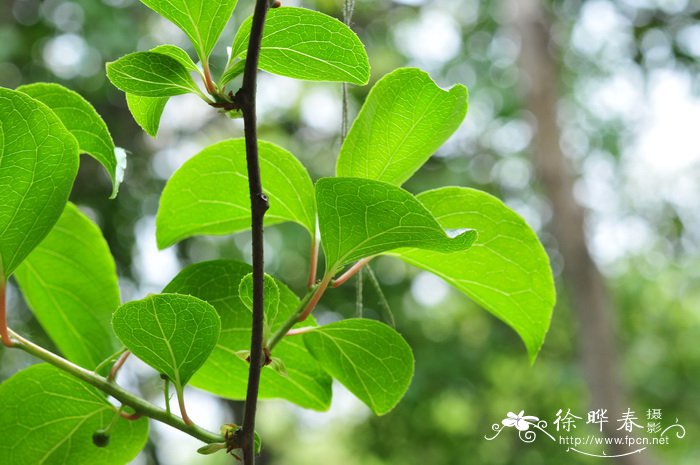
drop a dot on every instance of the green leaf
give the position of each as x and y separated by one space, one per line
224 373
48 417
70 283
209 193
179 54
368 357
86 125
506 271
306 44
271 298
203 21
151 74
38 164
147 111
172 333
361 218
404 120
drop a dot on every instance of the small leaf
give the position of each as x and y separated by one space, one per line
506 270
404 120
211 448
86 125
271 298
224 373
151 74
48 417
172 333
306 44
147 111
203 21
368 357
277 364
209 193
38 164
360 218
70 283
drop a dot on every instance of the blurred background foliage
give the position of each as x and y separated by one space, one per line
629 115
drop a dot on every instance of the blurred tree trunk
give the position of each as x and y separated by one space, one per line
589 297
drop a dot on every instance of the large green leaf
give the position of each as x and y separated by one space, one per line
360 218
86 125
203 21
38 164
371 359
172 333
306 44
49 417
209 194
225 374
151 74
70 283
506 270
147 111
404 120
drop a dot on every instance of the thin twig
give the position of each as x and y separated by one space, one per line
141 407
351 272
383 302
313 266
359 307
246 99
117 365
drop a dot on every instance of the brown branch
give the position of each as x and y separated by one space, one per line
246 99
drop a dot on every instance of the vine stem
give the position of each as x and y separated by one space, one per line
140 406
246 101
118 365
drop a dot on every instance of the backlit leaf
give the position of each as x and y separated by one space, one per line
151 74
48 417
506 270
306 44
209 194
70 283
38 164
404 120
86 125
203 21
368 357
172 333
225 373
360 218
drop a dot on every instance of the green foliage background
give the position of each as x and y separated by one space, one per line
470 368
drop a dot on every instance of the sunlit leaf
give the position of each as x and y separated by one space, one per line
172 333
404 120
360 218
86 125
209 194
151 74
225 373
147 111
306 44
203 21
38 164
70 283
49 417
371 359
506 270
